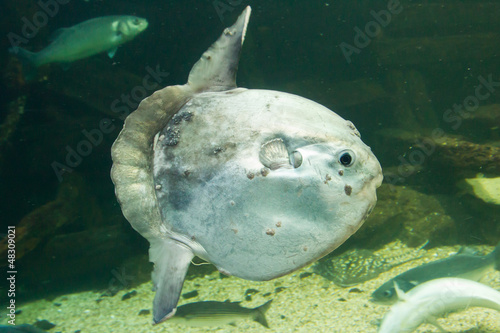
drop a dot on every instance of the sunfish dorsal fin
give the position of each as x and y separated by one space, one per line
217 67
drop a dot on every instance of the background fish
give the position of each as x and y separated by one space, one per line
81 41
356 266
212 313
432 299
463 265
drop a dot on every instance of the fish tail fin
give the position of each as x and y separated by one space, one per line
28 60
260 314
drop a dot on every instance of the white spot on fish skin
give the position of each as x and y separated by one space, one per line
161 137
270 232
158 187
231 203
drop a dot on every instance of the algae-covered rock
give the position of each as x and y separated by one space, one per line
409 215
72 203
486 189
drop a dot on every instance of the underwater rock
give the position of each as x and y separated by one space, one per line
70 205
459 153
444 18
190 294
436 49
484 122
486 189
8 127
408 215
437 149
129 295
44 324
84 255
411 101
108 89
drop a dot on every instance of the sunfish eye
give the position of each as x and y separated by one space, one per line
347 158
296 159
137 22
387 293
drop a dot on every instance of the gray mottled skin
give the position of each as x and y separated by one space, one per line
206 192
189 177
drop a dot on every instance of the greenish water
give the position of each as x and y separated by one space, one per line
419 79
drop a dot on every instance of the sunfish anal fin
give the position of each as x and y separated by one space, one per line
171 259
217 67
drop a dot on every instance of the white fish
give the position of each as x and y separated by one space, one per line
434 298
101 34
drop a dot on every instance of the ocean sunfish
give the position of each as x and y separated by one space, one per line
257 182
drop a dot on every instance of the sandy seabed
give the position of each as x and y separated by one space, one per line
301 303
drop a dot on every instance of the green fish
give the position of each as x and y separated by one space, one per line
101 34
462 265
212 313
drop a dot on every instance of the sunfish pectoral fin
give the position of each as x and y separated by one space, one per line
217 67
112 52
171 259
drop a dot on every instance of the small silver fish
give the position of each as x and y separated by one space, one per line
464 265
434 298
212 313
101 34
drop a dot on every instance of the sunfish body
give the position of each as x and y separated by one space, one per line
462 265
257 182
211 313
434 298
101 34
